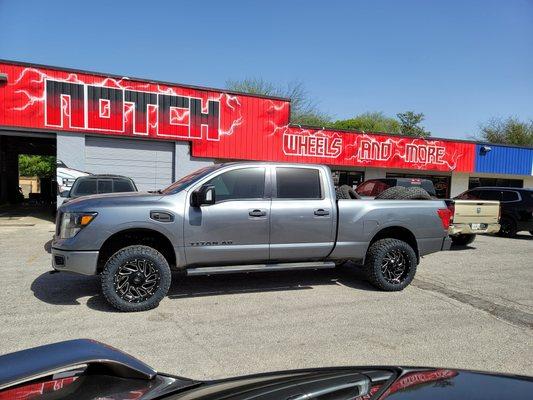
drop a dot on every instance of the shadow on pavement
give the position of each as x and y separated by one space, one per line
16 212
456 247
523 236
66 289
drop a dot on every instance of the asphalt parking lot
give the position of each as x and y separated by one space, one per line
468 308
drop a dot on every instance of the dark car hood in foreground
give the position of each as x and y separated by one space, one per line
85 369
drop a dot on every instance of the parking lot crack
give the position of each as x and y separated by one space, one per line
508 314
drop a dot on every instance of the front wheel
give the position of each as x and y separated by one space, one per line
463 239
136 278
390 264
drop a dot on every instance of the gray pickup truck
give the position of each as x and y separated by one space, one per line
241 217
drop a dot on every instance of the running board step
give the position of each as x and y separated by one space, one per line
231 269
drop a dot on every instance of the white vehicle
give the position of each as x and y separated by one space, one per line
66 176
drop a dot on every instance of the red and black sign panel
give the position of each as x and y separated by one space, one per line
219 124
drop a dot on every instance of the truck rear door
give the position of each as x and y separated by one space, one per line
302 220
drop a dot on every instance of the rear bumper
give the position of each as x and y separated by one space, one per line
467 229
79 262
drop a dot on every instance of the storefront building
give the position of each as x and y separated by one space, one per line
156 132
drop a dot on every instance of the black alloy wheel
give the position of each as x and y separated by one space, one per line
390 264
136 278
395 266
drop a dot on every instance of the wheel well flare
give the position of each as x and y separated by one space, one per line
130 237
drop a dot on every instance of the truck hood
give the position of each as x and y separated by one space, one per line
87 203
70 173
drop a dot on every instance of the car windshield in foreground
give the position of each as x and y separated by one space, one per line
187 180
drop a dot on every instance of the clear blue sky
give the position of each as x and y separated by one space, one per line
458 62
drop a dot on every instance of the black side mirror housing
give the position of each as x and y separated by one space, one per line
64 193
205 195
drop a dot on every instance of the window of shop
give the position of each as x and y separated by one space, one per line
350 178
474 182
441 183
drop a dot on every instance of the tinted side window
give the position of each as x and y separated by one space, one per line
85 187
509 196
298 183
245 183
105 186
490 195
123 185
469 195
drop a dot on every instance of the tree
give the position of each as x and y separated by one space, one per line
409 124
507 131
369 122
39 166
304 110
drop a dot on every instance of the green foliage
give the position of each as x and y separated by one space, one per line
304 111
507 131
39 166
369 122
410 124
312 119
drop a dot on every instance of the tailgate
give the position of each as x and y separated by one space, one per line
476 211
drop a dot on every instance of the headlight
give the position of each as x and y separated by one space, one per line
72 223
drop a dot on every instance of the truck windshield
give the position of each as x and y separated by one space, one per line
187 180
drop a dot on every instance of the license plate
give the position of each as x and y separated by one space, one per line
478 227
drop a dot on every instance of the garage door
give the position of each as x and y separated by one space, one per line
149 163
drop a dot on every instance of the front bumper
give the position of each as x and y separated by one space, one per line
79 262
467 229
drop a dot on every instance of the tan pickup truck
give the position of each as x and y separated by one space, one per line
471 217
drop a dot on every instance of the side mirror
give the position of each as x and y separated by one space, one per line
203 196
64 193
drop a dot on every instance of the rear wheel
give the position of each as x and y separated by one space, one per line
390 264
507 227
136 278
463 239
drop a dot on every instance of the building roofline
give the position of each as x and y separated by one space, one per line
147 80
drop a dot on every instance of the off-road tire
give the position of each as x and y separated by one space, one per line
393 193
463 239
124 256
416 193
507 227
375 258
346 192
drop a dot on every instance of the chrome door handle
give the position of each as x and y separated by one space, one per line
321 212
257 213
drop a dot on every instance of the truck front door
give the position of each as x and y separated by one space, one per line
302 221
234 230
